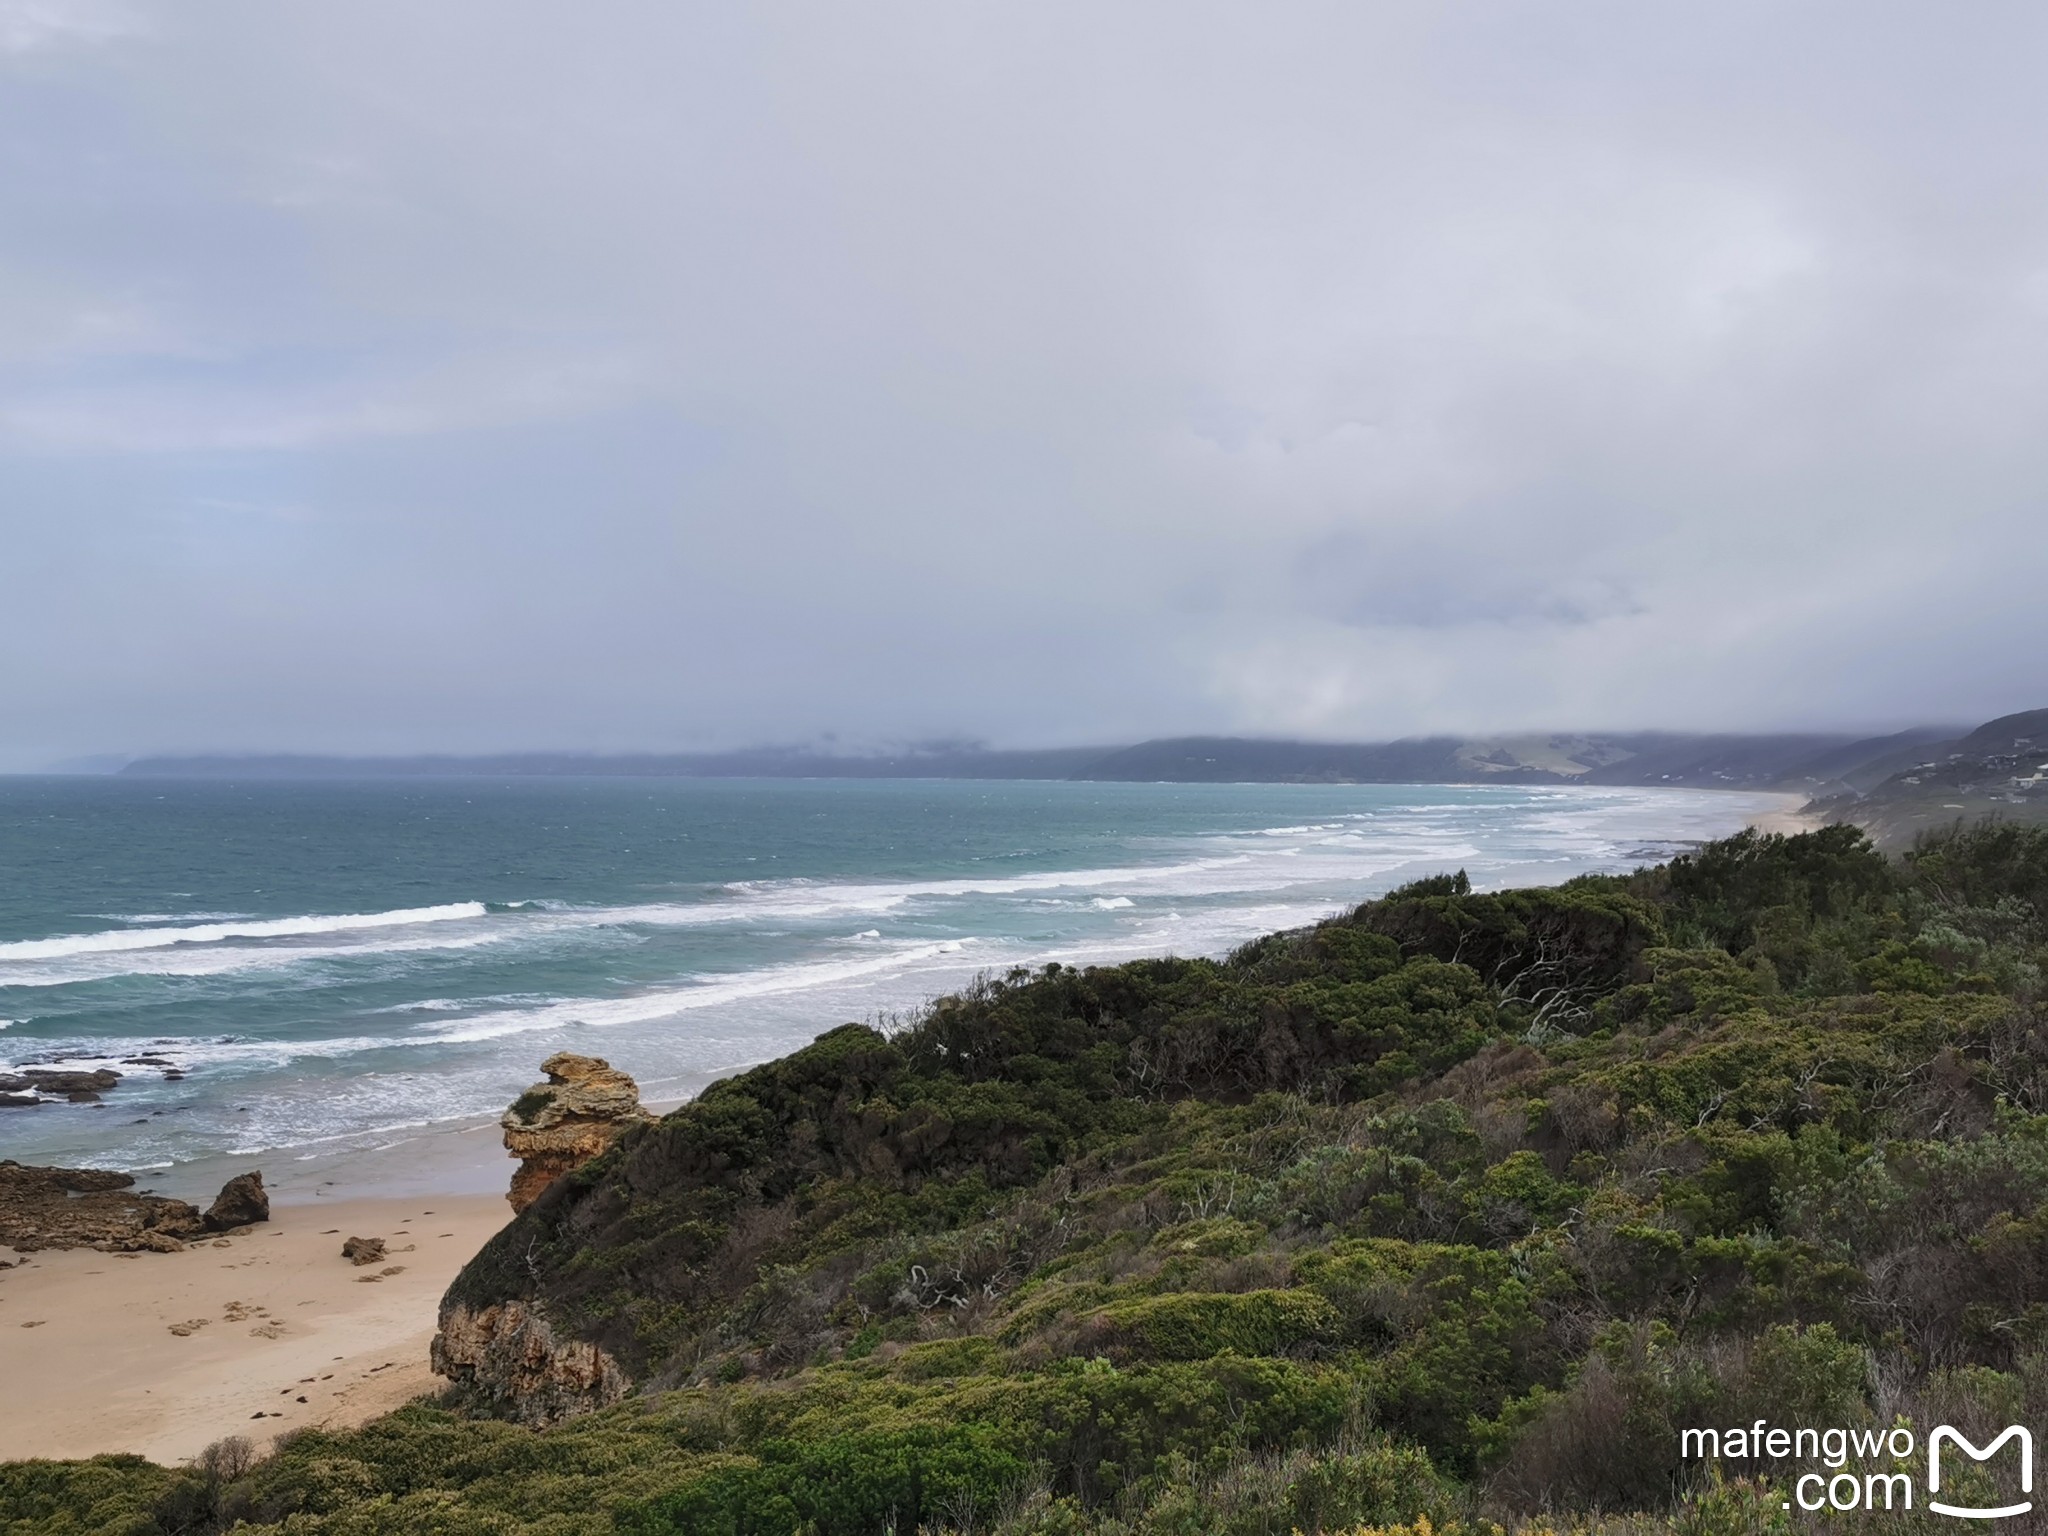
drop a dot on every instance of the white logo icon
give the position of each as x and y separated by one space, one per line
2013 1432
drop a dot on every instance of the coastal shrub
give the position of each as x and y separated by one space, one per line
844 1485
1196 1326
1274 1494
104 1496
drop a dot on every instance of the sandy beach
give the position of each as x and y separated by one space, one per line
1787 819
267 1330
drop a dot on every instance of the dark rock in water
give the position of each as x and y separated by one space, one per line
241 1201
363 1250
85 1097
18 1101
96 1081
146 1061
87 1208
9 1083
174 1077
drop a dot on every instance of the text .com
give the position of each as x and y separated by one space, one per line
1906 1468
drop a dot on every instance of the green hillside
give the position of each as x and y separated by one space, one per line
1452 1210
1999 770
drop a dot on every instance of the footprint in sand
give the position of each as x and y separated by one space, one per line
190 1326
37 1323
267 1331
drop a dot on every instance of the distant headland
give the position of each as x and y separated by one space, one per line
1894 784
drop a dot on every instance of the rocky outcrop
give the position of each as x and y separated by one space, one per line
40 1085
88 1208
98 1208
566 1121
360 1251
242 1201
507 1359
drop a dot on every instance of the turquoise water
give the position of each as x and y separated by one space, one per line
343 963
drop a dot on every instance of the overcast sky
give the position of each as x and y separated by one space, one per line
486 374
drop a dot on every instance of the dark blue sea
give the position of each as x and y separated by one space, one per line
346 964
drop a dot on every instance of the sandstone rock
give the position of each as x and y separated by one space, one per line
507 1356
86 1208
241 1201
363 1250
563 1123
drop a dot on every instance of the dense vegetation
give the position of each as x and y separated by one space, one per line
1450 1210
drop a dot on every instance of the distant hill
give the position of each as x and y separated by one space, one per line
1647 757
1999 769
1810 763
1896 787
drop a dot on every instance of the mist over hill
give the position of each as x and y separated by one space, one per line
1806 761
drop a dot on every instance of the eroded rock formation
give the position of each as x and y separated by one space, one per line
98 1208
88 1208
241 1202
566 1121
508 1358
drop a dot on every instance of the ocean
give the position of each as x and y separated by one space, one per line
334 966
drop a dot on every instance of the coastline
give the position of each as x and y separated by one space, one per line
282 1315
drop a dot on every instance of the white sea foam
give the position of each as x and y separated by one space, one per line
708 992
1112 903
173 917
223 960
118 939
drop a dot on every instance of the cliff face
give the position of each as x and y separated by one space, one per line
567 1121
503 1350
510 1361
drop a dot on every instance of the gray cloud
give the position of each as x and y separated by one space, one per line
491 374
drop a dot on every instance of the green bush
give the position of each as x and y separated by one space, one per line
844 1485
1196 1326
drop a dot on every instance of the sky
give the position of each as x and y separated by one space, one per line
489 375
